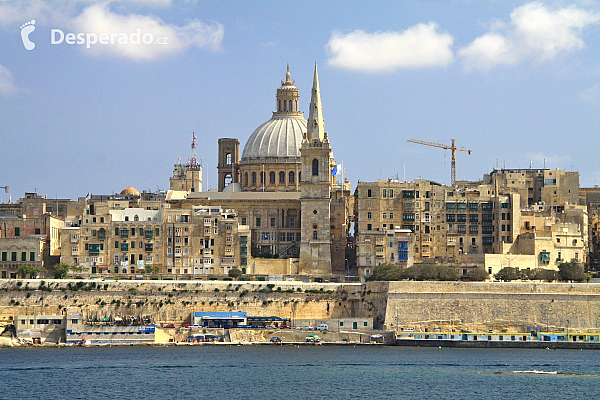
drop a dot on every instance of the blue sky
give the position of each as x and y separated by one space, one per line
516 82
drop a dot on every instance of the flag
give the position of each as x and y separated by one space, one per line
9 199
334 172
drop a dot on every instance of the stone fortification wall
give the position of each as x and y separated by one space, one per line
174 301
493 306
418 305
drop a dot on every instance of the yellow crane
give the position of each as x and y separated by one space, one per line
447 147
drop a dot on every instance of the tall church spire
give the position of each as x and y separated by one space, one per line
315 125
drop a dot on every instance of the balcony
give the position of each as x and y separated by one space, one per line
149 247
94 249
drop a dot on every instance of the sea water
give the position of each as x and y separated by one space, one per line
290 372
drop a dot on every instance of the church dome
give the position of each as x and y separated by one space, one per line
130 191
279 137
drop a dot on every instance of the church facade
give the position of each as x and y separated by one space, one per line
282 189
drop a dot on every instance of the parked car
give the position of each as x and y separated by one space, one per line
322 327
169 326
305 328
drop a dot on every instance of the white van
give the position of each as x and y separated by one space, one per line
322 327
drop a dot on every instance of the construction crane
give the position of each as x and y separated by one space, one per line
447 147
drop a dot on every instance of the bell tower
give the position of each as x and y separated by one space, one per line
316 182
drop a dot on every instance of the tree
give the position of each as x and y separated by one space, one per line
151 269
61 270
571 271
31 270
235 273
478 274
508 274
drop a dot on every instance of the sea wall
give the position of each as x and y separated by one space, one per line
173 301
492 306
392 305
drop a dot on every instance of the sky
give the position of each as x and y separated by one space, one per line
87 107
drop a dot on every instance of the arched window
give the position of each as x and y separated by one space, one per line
300 176
291 177
227 180
279 106
284 105
246 179
228 158
315 235
282 177
290 103
272 177
295 105
254 178
315 167
262 178
136 217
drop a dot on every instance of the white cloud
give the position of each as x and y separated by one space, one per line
100 20
7 85
535 33
421 45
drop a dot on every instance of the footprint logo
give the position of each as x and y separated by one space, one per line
26 29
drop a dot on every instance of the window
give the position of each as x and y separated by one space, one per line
246 179
254 178
315 235
272 222
23 256
384 215
461 217
37 231
290 236
369 215
266 236
257 221
32 256
315 167
13 256
272 177
391 215
292 222
473 217
291 177
369 227
391 192
282 236
17 231
369 193
384 193
282 177
473 229
244 221
4 256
